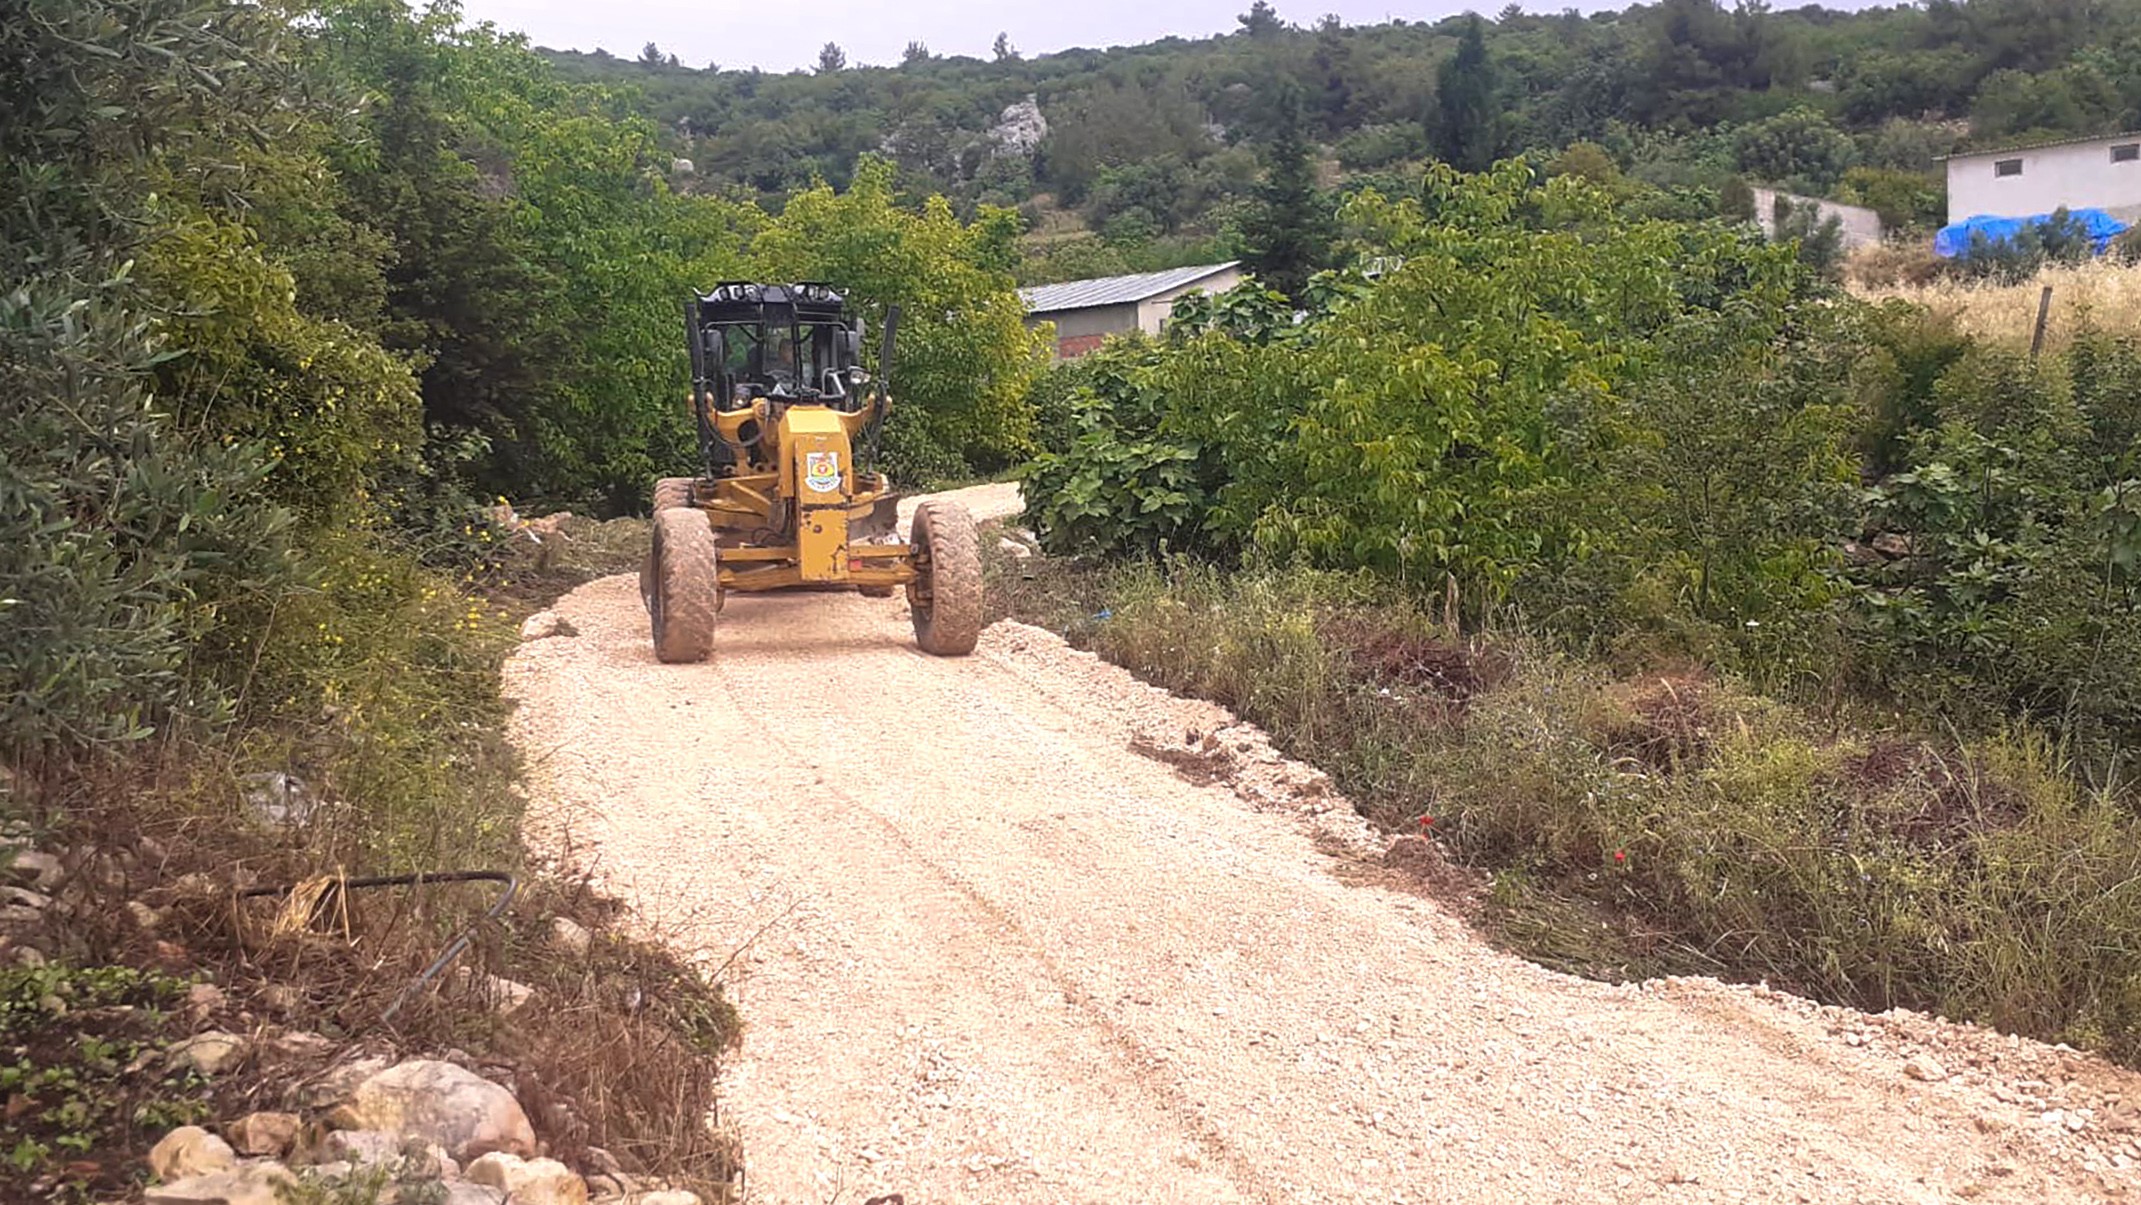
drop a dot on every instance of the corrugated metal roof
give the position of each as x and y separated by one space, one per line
1113 290
2038 146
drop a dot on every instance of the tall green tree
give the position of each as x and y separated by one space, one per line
465 294
1470 130
1261 21
1289 236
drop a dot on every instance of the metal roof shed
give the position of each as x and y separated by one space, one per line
1086 312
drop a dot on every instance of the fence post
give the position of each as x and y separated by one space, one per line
2044 311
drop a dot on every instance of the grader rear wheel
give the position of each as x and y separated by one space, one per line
946 598
684 591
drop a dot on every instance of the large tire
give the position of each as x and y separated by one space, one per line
685 591
946 599
671 492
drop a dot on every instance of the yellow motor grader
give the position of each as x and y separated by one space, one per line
780 502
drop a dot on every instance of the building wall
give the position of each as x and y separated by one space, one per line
1153 311
2079 175
1861 226
1098 320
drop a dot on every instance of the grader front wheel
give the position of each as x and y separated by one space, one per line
669 494
672 492
946 598
684 591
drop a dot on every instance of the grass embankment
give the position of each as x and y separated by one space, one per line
370 714
1661 821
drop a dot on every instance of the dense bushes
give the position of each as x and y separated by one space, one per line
1511 402
2017 513
1646 436
121 531
1737 540
197 424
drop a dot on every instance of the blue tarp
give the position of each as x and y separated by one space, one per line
1955 238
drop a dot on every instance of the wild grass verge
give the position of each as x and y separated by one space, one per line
2102 295
365 737
1640 823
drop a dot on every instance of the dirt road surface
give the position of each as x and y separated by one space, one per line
1016 928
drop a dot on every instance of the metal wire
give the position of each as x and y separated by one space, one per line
421 878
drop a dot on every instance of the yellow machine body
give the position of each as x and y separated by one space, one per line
795 514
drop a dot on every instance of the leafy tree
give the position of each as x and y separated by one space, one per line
1736 200
1003 51
1698 56
1290 236
1334 73
916 53
651 55
965 359
464 292
831 58
1590 161
2028 35
2075 99
1798 149
1469 134
1908 84
1117 123
1903 200
1261 21
1819 240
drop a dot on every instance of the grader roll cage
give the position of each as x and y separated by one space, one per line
780 502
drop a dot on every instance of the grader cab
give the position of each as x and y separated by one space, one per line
780 501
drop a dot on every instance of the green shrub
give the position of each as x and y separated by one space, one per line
2059 239
120 540
377 685
2018 512
1375 146
1458 416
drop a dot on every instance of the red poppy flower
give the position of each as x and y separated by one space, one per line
1620 855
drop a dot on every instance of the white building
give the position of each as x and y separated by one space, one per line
2022 181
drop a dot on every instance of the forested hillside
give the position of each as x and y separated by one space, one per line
1159 148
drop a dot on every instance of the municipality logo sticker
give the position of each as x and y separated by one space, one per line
821 471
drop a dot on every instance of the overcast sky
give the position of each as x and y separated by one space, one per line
778 35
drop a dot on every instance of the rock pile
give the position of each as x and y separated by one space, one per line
421 1129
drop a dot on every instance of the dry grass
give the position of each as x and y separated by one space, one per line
617 1048
1662 821
2102 293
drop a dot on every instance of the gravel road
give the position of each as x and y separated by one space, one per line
1017 928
